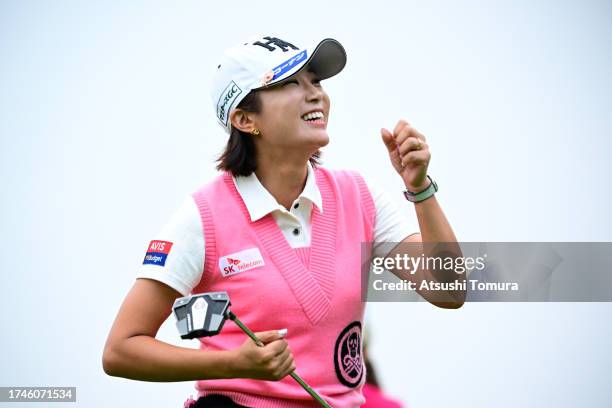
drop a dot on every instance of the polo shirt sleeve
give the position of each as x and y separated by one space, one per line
394 222
175 256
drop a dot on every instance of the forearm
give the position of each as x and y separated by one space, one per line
148 359
410 156
440 241
433 224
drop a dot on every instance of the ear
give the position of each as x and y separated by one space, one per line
242 120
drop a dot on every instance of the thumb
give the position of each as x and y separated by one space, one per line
271 335
387 138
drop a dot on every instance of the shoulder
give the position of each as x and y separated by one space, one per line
186 218
179 264
219 180
207 195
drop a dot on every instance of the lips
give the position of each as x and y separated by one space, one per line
313 116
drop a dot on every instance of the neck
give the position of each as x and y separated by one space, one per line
284 179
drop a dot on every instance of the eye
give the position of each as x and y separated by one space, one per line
316 82
293 81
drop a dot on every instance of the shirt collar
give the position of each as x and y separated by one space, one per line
259 202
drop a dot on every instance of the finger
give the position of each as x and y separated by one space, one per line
387 138
415 157
271 335
277 361
278 346
400 125
284 355
395 159
411 144
288 366
404 134
419 135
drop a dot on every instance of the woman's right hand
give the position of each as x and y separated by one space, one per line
271 362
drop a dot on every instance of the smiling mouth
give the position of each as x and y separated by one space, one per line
313 116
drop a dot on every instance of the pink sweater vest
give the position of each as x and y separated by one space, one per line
314 292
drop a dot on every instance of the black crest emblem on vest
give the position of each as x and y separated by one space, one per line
348 359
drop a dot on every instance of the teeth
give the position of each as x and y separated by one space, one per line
313 115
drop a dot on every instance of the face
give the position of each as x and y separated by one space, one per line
294 114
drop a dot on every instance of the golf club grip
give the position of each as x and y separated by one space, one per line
293 374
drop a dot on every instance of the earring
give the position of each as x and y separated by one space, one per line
255 132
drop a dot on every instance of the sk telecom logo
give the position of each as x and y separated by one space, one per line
240 262
233 261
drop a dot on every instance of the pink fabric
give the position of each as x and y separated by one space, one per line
189 403
376 399
315 293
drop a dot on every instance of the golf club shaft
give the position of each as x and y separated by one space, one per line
293 374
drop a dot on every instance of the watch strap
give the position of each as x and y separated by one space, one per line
431 189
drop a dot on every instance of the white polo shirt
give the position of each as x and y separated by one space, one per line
184 264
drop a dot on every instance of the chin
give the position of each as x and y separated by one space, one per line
315 140
324 141
322 138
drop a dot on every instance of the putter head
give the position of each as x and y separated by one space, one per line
202 314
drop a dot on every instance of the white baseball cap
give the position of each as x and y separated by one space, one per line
262 61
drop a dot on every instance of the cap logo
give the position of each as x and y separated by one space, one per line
228 96
289 64
270 41
267 78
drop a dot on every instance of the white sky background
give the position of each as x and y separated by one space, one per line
106 125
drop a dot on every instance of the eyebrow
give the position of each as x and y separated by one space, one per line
310 70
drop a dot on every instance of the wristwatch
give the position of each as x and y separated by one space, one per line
423 194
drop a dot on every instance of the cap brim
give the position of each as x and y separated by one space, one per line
327 60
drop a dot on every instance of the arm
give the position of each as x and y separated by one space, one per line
131 350
440 247
410 156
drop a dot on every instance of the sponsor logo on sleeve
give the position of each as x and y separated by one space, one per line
157 253
242 261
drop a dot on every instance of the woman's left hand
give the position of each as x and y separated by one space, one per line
409 154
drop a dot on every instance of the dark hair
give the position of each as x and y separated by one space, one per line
240 155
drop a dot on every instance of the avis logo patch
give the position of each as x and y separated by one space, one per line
348 360
157 253
240 261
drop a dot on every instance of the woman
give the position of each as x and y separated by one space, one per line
281 235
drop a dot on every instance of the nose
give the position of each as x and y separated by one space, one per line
313 93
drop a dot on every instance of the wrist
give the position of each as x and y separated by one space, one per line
422 194
232 364
420 188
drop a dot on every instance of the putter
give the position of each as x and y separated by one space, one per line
203 315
